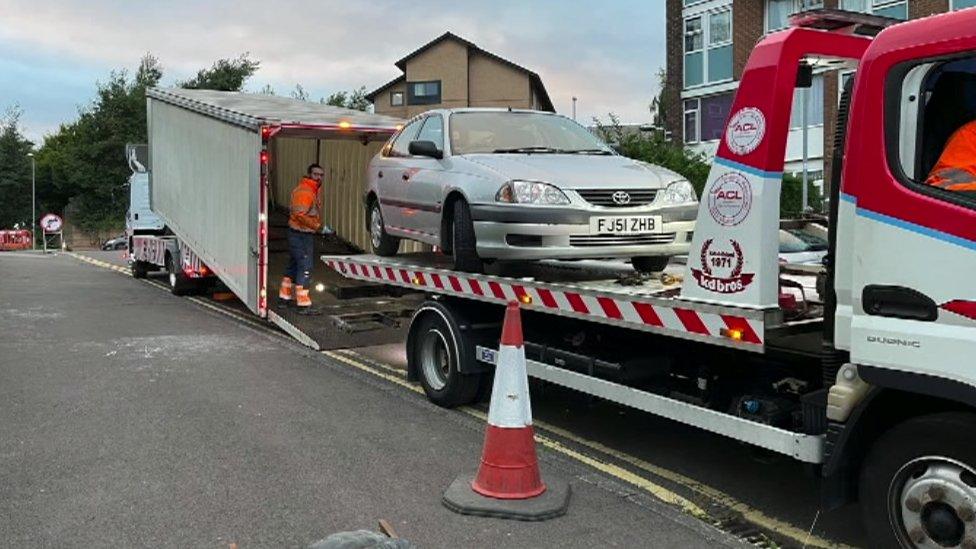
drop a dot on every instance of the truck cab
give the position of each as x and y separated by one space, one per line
139 218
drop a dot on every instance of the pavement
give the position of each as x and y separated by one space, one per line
131 417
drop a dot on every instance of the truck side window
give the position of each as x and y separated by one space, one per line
937 128
402 141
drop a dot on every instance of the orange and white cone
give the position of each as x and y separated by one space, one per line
508 483
509 465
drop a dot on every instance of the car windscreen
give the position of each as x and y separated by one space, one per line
794 241
520 132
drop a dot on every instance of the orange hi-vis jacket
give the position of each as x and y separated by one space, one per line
956 168
304 213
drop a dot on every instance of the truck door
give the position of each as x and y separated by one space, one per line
425 180
914 248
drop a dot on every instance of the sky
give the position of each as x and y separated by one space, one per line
52 52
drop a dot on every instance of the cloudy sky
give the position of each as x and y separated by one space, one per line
53 51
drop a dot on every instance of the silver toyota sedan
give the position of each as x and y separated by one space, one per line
487 184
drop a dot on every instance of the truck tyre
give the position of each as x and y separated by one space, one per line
435 350
179 283
650 264
463 242
918 483
383 244
139 269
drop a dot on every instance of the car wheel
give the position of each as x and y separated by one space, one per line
139 269
918 483
463 242
650 264
383 243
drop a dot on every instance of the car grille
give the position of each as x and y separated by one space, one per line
604 197
621 240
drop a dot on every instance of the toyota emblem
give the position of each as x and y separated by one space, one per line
621 197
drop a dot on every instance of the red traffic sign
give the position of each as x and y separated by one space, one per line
51 223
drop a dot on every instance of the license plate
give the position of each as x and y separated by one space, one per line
625 224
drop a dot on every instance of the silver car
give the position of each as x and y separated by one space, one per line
487 184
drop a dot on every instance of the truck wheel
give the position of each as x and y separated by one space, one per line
918 484
436 354
463 242
383 243
650 264
139 269
179 283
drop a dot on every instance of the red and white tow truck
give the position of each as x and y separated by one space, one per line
877 390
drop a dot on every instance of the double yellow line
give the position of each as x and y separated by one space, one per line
396 376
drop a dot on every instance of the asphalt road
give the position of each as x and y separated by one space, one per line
130 417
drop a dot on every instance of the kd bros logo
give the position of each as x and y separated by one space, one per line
730 199
745 131
721 269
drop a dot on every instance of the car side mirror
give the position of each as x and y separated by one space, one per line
425 148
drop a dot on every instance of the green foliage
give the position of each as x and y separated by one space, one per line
224 75
653 148
15 172
355 99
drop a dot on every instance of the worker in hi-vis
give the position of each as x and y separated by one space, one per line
304 221
956 168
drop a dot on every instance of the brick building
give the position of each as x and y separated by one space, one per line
449 72
708 43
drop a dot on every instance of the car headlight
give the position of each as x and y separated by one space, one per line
531 192
679 192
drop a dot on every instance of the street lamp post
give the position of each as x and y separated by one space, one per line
33 203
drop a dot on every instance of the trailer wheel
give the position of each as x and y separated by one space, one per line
383 243
463 241
435 350
179 283
650 264
139 269
918 484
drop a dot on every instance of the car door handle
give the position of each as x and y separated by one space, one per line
380 175
898 302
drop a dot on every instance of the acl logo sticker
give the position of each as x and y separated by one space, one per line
721 270
730 199
746 131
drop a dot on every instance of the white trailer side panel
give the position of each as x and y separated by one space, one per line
204 184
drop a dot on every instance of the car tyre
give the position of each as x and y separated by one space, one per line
650 264
909 460
436 354
463 242
383 244
179 283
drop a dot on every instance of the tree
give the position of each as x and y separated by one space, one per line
224 75
15 172
267 90
300 93
355 99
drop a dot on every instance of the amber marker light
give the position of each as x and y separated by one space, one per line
345 125
526 299
734 334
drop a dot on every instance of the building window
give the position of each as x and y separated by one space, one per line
708 48
887 8
424 93
705 117
778 12
815 112
691 121
396 99
960 4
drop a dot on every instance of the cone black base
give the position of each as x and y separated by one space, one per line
460 498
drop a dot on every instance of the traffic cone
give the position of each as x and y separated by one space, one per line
508 483
509 466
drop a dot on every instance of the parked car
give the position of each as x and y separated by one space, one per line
487 184
120 242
